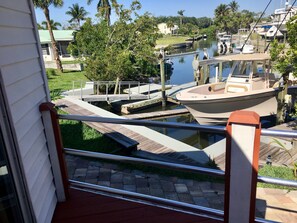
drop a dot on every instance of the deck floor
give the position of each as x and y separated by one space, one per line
88 207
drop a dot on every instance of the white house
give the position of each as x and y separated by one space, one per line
30 178
164 29
63 38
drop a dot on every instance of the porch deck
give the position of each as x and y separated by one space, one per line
90 207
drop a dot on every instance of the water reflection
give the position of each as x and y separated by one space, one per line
183 71
194 138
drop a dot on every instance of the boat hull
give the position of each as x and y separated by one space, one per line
217 111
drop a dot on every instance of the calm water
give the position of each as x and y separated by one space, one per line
182 65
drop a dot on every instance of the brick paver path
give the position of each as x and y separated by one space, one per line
277 205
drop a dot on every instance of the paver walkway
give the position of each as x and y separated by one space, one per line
277 205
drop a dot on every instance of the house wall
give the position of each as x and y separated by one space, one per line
165 30
23 83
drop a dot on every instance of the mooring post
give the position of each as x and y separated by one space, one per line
242 156
162 73
81 92
220 71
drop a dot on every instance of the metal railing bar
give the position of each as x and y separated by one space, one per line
279 133
172 166
216 129
277 181
206 128
159 200
156 201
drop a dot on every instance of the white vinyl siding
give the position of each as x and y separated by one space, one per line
24 89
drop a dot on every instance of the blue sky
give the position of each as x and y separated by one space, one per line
196 8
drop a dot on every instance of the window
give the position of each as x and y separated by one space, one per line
45 49
63 48
9 204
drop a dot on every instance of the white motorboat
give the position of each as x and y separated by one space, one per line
248 87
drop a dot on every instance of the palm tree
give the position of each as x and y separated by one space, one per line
221 13
44 5
40 27
104 8
221 10
54 24
181 14
77 13
233 6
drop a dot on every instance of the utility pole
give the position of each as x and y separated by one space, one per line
162 72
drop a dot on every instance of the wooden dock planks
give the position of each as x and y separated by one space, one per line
279 156
145 144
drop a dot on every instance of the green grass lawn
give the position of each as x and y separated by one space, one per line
70 61
63 81
276 172
168 40
77 135
59 82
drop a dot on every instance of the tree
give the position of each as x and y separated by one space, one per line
77 13
233 6
53 24
286 57
221 13
170 25
104 8
181 15
123 51
40 27
44 5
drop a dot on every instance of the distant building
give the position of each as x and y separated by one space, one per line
63 38
164 29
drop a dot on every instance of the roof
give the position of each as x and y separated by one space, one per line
246 57
236 57
60 35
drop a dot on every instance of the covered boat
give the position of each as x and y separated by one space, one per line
249 86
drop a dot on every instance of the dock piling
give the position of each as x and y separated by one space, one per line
162 73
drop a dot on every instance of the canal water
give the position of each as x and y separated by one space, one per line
182 65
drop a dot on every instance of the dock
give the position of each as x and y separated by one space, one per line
158 114
150 144
279 156
155 98
114 97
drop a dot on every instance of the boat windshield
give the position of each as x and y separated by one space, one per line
242 69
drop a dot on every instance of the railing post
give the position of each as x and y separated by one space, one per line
55 147
242 155
129 91
106 91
